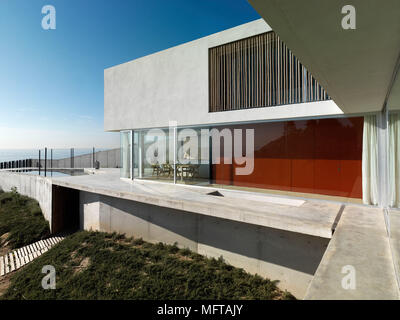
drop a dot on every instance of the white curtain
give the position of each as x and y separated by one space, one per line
370 161
394 160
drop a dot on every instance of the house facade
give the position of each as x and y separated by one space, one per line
238 109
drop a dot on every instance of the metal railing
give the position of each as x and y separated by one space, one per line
41 163
49 159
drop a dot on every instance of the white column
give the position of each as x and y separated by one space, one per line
131 153
175 152
141 153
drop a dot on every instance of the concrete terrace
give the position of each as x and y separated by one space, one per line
361 241
308 217
279 237
394 227
360 238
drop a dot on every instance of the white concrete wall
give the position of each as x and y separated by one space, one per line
38 188
89 211
289 257
172 85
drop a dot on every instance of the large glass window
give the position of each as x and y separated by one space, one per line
172 155
193 156
155 154
322 156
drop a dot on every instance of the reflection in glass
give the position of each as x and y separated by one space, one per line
193 156
155 155
322 156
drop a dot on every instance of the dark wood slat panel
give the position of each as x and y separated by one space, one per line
259 71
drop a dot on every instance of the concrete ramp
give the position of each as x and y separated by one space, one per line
358 262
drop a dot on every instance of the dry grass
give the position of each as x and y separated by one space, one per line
21 221
94 265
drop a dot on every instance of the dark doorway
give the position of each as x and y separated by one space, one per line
65 205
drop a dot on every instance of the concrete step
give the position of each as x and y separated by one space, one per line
17 258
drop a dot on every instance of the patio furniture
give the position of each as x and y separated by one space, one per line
156 169
194 173
187 170
167 169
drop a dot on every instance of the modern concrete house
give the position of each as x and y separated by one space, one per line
274 144
242 78
318 103
247 78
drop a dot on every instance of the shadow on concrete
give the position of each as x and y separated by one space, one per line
289 249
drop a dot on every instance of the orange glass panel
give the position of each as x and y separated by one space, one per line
327 177
351 180
223 173
301 149
303 175
268 174
321 156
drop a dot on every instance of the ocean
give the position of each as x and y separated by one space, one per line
21 154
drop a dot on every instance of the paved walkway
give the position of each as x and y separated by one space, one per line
394 218
359 247
18 258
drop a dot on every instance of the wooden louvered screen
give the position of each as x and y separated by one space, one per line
259 71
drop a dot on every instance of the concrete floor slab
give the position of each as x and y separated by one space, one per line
358 254
314 218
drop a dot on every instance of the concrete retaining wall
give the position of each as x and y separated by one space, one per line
289 257
35 187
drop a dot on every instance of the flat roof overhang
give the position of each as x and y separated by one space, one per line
357 67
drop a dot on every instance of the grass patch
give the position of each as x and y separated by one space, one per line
21 220
95 265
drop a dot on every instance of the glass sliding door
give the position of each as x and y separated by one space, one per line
193 156
315 156
126 154
154 155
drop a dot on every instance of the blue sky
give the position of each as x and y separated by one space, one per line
51 81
